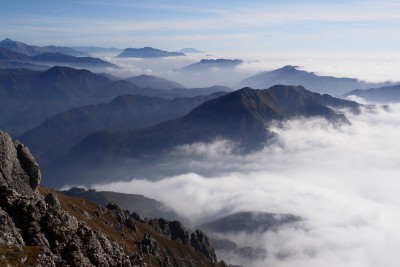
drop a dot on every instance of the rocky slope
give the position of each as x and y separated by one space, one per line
144 206
40 227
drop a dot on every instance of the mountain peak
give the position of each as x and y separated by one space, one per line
148 52
7 40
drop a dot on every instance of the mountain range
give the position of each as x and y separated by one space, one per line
32 50
29 97
293 75
148 52
189 50
97 50
388 94
209 64
241 116
51 58
145 81
59 133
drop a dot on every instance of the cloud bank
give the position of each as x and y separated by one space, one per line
342 181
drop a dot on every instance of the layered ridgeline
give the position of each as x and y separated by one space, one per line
148 52
205 65
33 50
226 232
242 117
40 227
388 94
9 57
153 82
59 133
29 97
292 75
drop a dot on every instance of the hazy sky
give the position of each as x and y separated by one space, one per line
233 25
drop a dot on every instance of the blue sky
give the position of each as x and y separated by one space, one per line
309 25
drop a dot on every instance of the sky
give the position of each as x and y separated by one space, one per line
226 25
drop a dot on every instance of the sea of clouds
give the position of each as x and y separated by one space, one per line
370 67
343 182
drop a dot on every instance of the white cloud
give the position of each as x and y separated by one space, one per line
342 181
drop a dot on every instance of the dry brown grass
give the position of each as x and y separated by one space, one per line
80 208
19 257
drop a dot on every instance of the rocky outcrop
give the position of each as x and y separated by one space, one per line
29 219
201 243
18 169
40 228
173 230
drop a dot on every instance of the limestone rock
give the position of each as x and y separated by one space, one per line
18 168
201 243
9 234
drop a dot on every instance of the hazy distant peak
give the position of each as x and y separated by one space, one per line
208 64
190 50
148 52
7 40
221 60
149 81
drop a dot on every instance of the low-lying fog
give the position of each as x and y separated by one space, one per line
344 183
369 67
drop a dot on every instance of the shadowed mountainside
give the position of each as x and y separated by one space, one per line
59 133
153 82
241 116
29 97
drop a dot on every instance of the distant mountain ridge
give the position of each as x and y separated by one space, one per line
190 50
292 75
209 64
59 133
29 97
35 50
153 82
147 52
241 116
144 206
385 95
249 221
54 59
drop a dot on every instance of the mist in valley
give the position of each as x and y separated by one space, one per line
357 65
342 181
